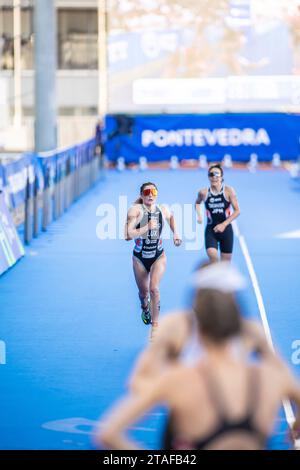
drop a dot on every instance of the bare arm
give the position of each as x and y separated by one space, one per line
199 200
234 202
171 336
131 223
168 215
255 340
111 431
292 392
236 211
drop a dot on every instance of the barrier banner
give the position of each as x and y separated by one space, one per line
1 178
159 137
54 166
48 167
15 177
11 248
61 162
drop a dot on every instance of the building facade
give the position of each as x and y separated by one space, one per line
77 71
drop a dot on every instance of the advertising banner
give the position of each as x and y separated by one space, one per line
15 177
159 137
11 248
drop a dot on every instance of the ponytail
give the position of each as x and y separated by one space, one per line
139 200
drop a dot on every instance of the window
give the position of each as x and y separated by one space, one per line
7 38
77 31
27 44
77 39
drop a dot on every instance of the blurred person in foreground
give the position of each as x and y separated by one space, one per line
221 401
177 336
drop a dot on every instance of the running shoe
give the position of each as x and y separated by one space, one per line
146 315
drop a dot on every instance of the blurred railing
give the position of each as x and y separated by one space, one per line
39 188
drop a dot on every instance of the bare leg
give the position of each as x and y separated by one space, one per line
226 256
156 273
142 281
212 253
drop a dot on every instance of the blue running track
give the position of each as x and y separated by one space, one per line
69 311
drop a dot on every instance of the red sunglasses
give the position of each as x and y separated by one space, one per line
150 191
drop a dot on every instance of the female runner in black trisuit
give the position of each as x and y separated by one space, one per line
144 224
217 199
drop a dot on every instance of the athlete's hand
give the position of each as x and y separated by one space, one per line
177 240
152 224
219 228
199 220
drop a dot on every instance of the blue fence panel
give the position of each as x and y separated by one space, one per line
11 248
16 175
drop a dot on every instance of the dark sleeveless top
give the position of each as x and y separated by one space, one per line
217 207
226 425
150 244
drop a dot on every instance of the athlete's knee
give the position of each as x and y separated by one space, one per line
212 254
154 291
143 294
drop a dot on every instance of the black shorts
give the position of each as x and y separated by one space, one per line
225 239
147 262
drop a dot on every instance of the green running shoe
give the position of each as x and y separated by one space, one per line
146 315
